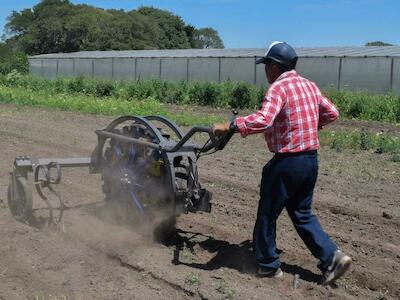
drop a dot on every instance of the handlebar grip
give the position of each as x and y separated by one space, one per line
225 139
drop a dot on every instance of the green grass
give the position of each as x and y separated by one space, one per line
353 105
226 94
362 140
104 106
365 106
37 92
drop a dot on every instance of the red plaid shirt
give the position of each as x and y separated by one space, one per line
292 112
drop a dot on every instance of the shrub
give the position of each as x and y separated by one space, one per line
60 86
259 97
145 89
174 92
359 105
366 106
14 61
366 139
103 88
76 85
355 108
387 144
13 77
338 144
241 96
396 157
205 93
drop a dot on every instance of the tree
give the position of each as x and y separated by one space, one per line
205 38
190 31
172 27
54 26
378 43
12 60
42 28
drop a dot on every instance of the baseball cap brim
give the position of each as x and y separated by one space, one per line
261 60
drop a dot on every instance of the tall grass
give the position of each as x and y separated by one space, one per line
356 105
104 106
363 140
366 106
86 101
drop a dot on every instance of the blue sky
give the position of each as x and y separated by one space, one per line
256 23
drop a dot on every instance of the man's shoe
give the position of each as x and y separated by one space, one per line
340 264
270 273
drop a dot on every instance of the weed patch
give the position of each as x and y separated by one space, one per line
354 105
361 140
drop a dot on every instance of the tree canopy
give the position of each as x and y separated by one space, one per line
54 26
378 43
207 38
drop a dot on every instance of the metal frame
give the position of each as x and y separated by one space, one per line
192 200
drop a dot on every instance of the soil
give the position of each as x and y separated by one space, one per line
90 257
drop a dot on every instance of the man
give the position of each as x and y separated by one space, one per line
292 112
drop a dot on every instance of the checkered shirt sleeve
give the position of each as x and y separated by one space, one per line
263 119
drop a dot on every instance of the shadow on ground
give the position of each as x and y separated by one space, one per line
239 257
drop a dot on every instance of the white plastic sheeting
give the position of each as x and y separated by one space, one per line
377 74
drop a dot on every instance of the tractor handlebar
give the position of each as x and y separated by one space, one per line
189 134
216 142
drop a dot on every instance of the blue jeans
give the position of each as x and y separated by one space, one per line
288 181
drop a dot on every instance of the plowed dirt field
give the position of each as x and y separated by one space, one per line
356 198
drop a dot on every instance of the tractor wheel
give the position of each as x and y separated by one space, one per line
20 201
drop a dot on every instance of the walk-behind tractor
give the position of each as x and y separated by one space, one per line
147 164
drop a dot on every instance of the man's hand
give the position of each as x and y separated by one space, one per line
221 128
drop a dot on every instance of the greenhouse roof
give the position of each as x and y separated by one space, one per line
370 51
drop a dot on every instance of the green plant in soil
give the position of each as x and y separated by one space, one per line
225 289
193 279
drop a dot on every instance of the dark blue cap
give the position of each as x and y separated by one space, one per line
280 52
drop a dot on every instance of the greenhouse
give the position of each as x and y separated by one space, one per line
375 69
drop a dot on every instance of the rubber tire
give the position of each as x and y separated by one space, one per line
25 193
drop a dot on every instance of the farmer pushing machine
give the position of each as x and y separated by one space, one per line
149 164
293 111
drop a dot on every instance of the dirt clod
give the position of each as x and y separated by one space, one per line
387 215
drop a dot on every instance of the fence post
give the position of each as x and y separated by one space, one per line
112 68
160 72
219 69
187 69
73 67
57 68
135 70
391 74
340 73
255 70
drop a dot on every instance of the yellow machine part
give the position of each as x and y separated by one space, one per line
155 167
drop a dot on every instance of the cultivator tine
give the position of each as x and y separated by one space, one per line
62 205
43 179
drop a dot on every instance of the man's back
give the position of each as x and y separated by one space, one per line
293 109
